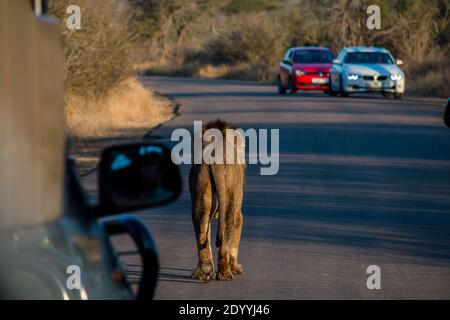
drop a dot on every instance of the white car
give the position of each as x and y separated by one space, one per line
366 69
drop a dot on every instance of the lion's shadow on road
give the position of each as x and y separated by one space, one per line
165 274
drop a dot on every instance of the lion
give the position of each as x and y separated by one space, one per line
217 191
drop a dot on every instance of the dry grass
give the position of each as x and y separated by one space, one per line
127 110
433 84
241 71
430 78
170 69
211 71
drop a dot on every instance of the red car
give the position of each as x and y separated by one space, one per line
305 68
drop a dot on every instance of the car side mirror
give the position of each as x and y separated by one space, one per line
136 176
337 61
287 62
399 62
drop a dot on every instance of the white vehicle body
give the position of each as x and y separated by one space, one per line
366 69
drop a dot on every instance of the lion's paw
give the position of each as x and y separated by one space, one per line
204 272
237 269
225 275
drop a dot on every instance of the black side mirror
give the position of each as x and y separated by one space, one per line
447 113
136 176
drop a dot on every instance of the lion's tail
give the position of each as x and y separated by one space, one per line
218 174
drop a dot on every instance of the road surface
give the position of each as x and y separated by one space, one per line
362 181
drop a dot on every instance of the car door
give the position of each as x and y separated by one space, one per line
286 68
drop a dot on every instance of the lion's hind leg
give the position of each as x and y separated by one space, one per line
225 273
202 223
205 267
236 268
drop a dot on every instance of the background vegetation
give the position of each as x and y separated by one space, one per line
245 39
241 39
103 98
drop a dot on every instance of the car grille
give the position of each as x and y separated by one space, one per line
322 74
372 78
309 84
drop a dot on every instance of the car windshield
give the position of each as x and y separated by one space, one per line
368 57
312 56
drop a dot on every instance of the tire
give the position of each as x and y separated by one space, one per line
291 87
281 89
342 92
331 92
388 95
398 95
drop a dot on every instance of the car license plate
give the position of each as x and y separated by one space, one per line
320 80
375 84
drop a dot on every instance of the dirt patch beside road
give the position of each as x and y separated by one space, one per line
86 150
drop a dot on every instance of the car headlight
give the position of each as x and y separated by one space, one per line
299 72
396 77
352 76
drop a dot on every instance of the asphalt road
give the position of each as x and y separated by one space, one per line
362 181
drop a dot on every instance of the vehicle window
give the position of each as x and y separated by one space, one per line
368 57
312 56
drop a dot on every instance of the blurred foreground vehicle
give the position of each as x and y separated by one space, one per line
447 113
53 243
305 68
364 69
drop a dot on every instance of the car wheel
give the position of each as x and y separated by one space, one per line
398 95
281 89
291 86
388 95
331 92
342 92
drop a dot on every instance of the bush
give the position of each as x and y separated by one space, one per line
253 40
431 77
239 6
226 49
96 57
259 38
101 97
